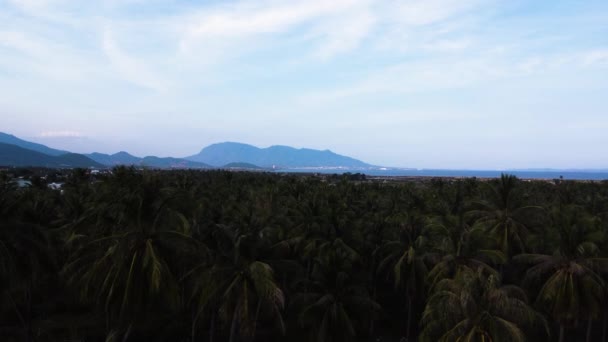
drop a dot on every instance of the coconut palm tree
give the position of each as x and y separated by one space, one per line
404 261
334 305
502 214
456 245
474 306
25 257
8 196
237 285
130 251
572 285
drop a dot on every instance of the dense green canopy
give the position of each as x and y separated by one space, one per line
239 256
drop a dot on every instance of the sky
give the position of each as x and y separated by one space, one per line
468 84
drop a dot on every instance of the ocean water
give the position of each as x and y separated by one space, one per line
532 174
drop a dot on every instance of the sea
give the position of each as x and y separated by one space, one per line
523 174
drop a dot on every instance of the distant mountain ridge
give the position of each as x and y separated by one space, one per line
120 158
13 155
273 156
19 152
13 140
124 158
242 166
172 163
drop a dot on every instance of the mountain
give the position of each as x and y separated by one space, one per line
124 158
32 154
13 155
279 156
244 166
172 163
13 140
120 158
227 155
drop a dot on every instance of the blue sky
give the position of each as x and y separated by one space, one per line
415 83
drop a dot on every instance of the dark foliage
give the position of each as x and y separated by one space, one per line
240 256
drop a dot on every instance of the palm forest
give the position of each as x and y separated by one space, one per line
145 255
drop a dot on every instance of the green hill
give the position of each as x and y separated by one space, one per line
15 156
281 156
13 140
120 158
171 163
247 166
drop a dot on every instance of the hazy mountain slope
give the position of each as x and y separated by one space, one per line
172 163
120 158
216 155
242 166
124 158
280 156
13 140
13 155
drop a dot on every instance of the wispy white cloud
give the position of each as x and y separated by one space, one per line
595 57
424 76
414 77
35 54
339 26
449 45
247 19
426 12
197 38
128 67
19 41
345 33
34 5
